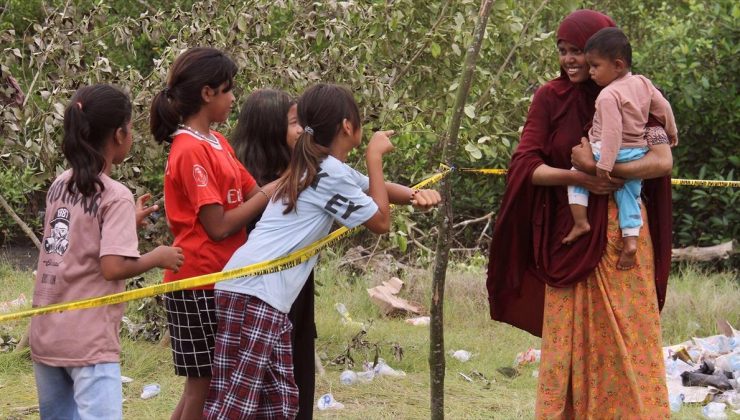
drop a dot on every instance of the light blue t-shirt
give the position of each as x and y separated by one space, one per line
337 193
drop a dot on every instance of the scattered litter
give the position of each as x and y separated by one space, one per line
675 401
348 377
366 376
728 362
382 369
705 369
11 305
327 402
384 296
126 380
419 320
714 410
466 377
535 373
482 377
150 391
509 372
530 356
346 318
461 355
370 371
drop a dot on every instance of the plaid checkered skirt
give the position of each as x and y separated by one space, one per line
191 318
253 363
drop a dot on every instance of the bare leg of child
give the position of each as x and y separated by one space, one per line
580 223
629 250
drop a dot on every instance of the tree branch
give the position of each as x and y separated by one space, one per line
487 93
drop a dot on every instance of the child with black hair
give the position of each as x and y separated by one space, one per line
209 200
266 132
253 365
618 133
89 249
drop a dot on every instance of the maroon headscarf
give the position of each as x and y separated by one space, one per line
526 251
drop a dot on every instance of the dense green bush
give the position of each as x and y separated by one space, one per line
402 58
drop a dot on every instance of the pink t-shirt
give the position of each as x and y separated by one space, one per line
622 110
78 231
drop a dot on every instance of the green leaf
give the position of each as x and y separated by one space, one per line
436 50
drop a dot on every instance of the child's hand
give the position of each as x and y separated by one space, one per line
142 211
603 174
425 199
169 257
380 143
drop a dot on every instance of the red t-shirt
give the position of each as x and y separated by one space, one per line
201 172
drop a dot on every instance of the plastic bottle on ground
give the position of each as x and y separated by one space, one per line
675 401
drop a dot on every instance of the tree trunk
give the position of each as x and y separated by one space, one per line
444 221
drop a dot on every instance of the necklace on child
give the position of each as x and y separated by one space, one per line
210 138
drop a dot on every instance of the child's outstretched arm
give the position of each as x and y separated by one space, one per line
423 199
220 224
117 267
379 145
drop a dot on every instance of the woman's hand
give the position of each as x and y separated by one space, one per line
425 199
582 157
599 185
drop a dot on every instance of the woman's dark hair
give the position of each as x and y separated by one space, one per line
260 133
321 110
91 118
610 43
181 98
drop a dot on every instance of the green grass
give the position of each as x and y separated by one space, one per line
695 301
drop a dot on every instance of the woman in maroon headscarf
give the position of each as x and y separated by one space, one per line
600 326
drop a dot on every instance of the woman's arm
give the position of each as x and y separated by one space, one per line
656 163
546 175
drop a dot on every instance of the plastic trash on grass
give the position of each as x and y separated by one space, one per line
526 357
461 355
327 402
419 321
150 391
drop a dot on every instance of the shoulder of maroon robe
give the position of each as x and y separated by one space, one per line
525 250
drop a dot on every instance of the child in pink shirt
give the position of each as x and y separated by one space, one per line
618 133
90 248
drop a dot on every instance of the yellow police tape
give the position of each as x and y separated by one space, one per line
674 181
271 266
278 264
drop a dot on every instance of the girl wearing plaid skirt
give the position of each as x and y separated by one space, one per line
253 364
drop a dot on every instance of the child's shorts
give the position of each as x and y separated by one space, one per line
191 317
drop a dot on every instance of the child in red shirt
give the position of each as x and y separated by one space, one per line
209 199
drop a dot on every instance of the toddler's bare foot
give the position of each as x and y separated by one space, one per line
629 250
579 228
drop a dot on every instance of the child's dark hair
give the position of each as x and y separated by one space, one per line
610 43
91 118
260 133
181 98
321 111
